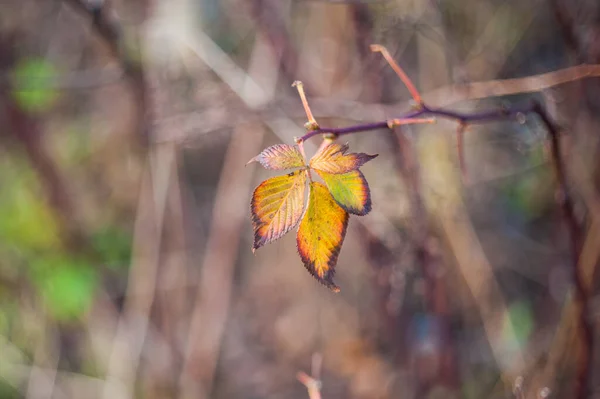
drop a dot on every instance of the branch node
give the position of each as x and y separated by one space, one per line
313 385
311 126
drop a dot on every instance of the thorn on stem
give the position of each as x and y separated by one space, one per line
411 121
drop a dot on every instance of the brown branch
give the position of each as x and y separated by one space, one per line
581 299
195 124
564 199
504 87
211 306
400 72
110 31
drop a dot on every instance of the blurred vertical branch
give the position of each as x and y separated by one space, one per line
133 322
270 22
211 307
451 215
430 265
581 296
312 382
109 30
215 285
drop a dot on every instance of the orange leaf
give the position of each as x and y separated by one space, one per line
350 190
277 206
321 234
280 156
332 158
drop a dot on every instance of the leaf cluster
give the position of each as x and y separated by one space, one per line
279 204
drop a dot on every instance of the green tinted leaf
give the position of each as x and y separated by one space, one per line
350 190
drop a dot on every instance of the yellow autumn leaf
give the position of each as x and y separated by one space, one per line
350 190
321 234
332 158
277 206
280 156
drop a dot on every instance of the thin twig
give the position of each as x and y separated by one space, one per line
399 122
425 110
312 123
312 382
198 123
565 201
400 72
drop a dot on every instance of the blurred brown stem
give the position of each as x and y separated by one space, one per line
312 382
581 295
211 306
110 31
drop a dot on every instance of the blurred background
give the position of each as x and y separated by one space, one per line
126 268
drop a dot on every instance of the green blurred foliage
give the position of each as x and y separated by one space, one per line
33 80
7 391
520 315
26 222
29 234
65 284
530 195
113 246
